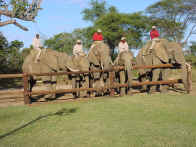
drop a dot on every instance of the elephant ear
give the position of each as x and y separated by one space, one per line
177 53
92 56
160 52
66 62
145 49
50 58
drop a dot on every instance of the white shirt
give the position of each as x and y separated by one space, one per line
123 46
36 43
77 49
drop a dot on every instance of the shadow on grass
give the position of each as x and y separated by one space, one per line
61 112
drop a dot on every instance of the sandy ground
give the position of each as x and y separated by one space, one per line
14 100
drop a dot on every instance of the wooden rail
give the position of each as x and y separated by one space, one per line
117 68
112 86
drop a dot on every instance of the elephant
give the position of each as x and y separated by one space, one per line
50 61
99 58
81 62
164 52
124 59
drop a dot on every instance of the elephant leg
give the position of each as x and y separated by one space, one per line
143 78
130 79
164 88
155 77
53 86
184 76
74 85
85 84
122 81
106 81
50 86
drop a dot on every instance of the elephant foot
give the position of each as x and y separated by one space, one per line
84 95
121 95
122 92
164 89
99 94
50 97
152 91
130 93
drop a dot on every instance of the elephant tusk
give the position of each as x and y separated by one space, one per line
74 70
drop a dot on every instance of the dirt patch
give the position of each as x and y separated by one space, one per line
8 99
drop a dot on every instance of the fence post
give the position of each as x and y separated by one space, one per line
112 76
26 89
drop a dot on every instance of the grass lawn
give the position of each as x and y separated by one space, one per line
159 120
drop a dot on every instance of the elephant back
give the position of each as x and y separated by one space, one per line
123 57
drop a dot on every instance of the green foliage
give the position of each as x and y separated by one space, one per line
19 7
62 42
115 25
173 17
96 10
10 56
193 48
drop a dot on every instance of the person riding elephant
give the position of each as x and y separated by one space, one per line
37 47
124 58
80 60
50 61
78 49
164 52
154 36
99 58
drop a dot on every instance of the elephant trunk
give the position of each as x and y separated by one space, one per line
128 68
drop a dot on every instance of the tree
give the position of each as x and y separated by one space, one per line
115 25
96 10
19 9
193 48
10 56
14 58
62 42
175 18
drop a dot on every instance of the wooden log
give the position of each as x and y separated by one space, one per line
82 72
9 76
26 89
104 88
11 97
15 92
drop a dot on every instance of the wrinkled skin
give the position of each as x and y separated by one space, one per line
124 76
81 80
99 58
50 61
165 53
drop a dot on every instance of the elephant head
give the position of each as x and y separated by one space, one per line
125 58
99 55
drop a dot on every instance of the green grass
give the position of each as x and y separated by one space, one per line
158 120
194 74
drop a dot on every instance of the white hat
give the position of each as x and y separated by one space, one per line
78 41
154 27
123 38
99 30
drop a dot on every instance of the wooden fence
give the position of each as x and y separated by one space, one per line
26 93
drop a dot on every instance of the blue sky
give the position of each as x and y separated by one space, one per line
64 16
